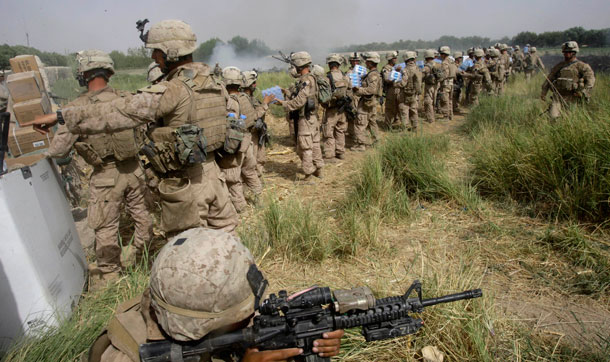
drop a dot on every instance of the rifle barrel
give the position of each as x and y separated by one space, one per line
469 294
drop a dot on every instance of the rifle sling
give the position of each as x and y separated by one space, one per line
249 301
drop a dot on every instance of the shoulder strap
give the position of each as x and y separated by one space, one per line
332 81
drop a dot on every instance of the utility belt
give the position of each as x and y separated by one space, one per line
111 162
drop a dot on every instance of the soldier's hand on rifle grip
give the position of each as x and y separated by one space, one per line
42 123
253 355
330 345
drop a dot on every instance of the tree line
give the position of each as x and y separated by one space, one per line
591 38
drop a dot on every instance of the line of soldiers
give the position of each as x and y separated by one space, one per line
201 137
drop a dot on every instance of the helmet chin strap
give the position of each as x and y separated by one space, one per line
83 82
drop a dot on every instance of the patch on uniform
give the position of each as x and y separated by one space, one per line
179 242
154 88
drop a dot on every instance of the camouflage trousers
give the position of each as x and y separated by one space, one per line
334 126
475 90
308 144
209 188
455 102
446 96
112 186
367 120
391 109
529 74
429 93
557 104
244 171
259 151
408 111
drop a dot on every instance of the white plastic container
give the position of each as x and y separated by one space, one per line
42 263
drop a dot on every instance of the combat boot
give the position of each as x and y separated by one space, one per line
99 280
359 148
340 156
318 172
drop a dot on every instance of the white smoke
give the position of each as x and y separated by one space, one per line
225 56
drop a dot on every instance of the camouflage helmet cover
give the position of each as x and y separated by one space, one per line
175 38
334 57
300 59
570 46
429 53
354 56
318 70
250 77
371 57
232 76
154 72
503 47
445 50
198 283
410 55
479 52
391 55
532 49
517 47
94 59
458 55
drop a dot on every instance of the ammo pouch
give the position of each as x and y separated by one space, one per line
430 79
565 84
173 149
236 128
369 101
178 205
123 145
86 151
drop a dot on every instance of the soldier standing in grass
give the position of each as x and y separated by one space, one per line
446 83
532 63
518 59
368 94
117 179
431 79
458 83
334 123
391 92
189 101
259 131
410 89
303 104
570 81
240 166
477 76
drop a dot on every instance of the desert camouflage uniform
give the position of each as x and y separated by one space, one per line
518 60
259 149
446 87
430 86
532 64
115 180
355 101
506 64
391 96
570 83
478 75
408 99
168 102
368 95
334 123
308 133
241 166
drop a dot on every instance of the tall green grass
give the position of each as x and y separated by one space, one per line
68 89
560 169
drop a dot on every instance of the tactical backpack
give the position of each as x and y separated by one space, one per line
325 92
339 90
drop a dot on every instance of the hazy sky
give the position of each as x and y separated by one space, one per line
71 25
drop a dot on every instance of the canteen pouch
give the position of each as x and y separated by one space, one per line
178 205
235 134
86 151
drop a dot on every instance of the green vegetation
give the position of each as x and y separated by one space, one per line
67 90
559 169
135 58
49 58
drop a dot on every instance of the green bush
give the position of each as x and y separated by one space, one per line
560 168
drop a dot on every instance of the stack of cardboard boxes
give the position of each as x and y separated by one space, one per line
29 99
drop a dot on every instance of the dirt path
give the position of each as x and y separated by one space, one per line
496 241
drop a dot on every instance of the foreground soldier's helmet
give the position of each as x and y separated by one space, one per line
94 59
494 53
429 53
250 77
198 283
300 59
458 55
354 56
391 55
154 72
479 52
232 76
532 50
570 46
445 50
334 58
410 55
175 38
371 57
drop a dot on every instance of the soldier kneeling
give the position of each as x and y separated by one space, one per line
198 287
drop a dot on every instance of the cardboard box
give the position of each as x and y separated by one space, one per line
25 140
24 63
25 86
28 110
